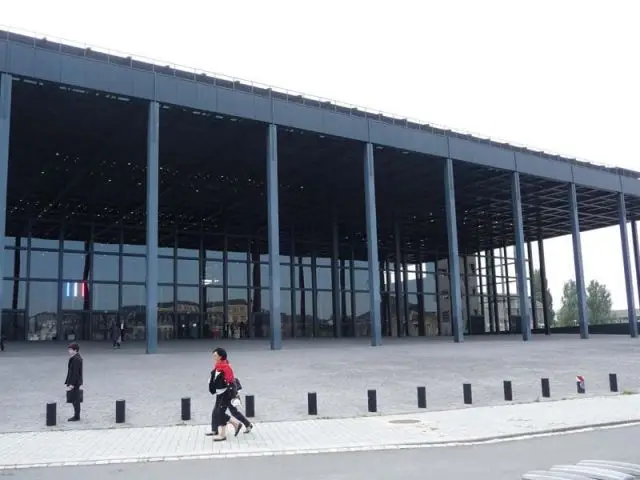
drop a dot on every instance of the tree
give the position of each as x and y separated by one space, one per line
537 287
598 304
568 314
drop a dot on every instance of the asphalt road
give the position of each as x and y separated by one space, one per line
499 461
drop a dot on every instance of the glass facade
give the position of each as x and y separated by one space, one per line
76 290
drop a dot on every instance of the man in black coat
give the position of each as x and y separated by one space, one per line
74 380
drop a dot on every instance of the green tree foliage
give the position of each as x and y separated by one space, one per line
598 304
537 286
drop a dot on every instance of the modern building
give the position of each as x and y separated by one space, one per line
192 206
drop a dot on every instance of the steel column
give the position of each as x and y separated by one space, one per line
275 318
534 304
520 257
397 280
5 123
636 254
455 294
153 174
335 277
628 278
372 245
543 286
583 314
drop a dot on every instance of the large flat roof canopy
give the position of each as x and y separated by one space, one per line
78 155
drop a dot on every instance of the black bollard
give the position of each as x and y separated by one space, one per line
372 401
508 390
120 411
250 403
422 397
546 389
580 386
613 382
466 393
186 409
51 414
312 403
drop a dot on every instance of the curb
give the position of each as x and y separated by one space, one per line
349 449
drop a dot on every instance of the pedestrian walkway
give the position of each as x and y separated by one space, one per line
429 429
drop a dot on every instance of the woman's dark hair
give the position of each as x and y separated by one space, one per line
222 353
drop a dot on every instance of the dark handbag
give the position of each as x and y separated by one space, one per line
70 396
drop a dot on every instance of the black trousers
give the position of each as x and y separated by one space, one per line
74 395
233 410
219 417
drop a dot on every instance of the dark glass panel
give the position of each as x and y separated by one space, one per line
73 266
214 274
73 245
286 315
75 295
188 253
325 314
188 299
214 318
238 313
323 277
362 315
264 276
285 276
138 249
346 325
44 264
133 297
105 297
304 313
43 310
237 274
49 243
188 272
165 297
10 242
361 264
323 261
165 270
414 315
14 295
134 269
237 248
430 315
106 268
12 269
303 282
214 254
13 325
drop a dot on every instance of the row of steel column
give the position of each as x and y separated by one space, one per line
372 236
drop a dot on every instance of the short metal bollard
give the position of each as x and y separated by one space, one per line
613 382
120 411
312 403
52 414
372 401
185 408
580 385
250 406
508 390
546 389
466 393
422 397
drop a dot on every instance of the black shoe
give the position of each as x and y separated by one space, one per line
74 419
248 428
238 428
209 434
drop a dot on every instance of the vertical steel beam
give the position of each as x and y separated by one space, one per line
543 285
335 276
506 280
372 245
153 174
534 304
397 278
520 257
467 293
583 314
314 290
405 295
494 286
438 295
455 294
636 255
275 318
5 123
628 277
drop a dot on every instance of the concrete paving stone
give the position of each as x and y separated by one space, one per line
450 427
340 371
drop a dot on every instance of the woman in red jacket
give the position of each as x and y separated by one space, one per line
221 385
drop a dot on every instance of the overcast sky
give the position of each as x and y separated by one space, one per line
559 75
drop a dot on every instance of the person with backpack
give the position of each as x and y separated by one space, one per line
222 385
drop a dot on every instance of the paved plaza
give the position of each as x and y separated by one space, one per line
340 371
430 429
